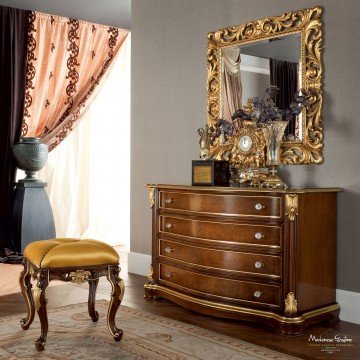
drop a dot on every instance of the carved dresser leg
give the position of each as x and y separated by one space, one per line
91 301
117 295
25 285
40 306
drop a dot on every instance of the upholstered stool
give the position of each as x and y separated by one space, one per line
69 260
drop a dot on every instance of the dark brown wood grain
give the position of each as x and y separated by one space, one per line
205 247
219 288
316 250
91 300
235 205
26 286
253 264
270 235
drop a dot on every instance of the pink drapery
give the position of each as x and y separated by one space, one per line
67 61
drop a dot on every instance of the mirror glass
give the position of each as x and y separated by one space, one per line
248 69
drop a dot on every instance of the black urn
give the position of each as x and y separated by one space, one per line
31 156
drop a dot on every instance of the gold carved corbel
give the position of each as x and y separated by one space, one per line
291 206
150 275
290 304
151 195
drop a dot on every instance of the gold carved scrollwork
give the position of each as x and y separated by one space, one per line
150 275
248 159
151 196
290 304
308 23
79 276
291 206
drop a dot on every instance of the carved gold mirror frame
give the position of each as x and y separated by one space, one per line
308 23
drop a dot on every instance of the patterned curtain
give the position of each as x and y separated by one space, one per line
67 61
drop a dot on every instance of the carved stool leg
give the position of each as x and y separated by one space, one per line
26 286
40 305
117 295
91 301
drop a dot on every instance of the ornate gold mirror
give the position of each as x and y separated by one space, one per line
284 51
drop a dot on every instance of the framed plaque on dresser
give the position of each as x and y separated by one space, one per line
260 255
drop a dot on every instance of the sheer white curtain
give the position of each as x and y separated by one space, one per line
88 174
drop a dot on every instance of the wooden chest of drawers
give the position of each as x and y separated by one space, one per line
258 255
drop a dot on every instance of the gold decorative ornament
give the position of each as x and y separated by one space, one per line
290 304
79 276
308 24
151 196
37 293
291 206
150 275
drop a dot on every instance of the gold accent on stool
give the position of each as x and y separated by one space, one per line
79 276
122 289
290 304
291 206
37 293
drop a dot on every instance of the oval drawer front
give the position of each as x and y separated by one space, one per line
239 233
220 259
226 288
233 205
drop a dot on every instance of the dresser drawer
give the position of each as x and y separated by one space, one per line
220 287
239 233
220 259
232 205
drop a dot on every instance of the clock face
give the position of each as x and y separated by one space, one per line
245 143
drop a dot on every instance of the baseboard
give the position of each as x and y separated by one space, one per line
138 263
349 301
349 305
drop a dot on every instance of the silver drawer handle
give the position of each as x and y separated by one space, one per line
257 294
168 201
169 250
169 274
168 225
259 235
259 264
259 206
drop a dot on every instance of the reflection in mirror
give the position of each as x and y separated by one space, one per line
248 69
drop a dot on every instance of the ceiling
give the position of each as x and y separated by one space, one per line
108 12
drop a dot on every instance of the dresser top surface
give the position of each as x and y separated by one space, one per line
242 189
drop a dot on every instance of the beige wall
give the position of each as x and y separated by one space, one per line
169 104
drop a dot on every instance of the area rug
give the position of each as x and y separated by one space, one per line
72 335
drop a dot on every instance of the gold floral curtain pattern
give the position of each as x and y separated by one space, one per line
67 60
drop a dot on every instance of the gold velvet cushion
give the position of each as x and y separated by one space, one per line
59 253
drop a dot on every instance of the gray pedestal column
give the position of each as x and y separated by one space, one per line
32 214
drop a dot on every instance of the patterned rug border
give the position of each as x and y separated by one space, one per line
236 344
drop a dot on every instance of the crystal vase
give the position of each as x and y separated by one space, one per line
274 133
